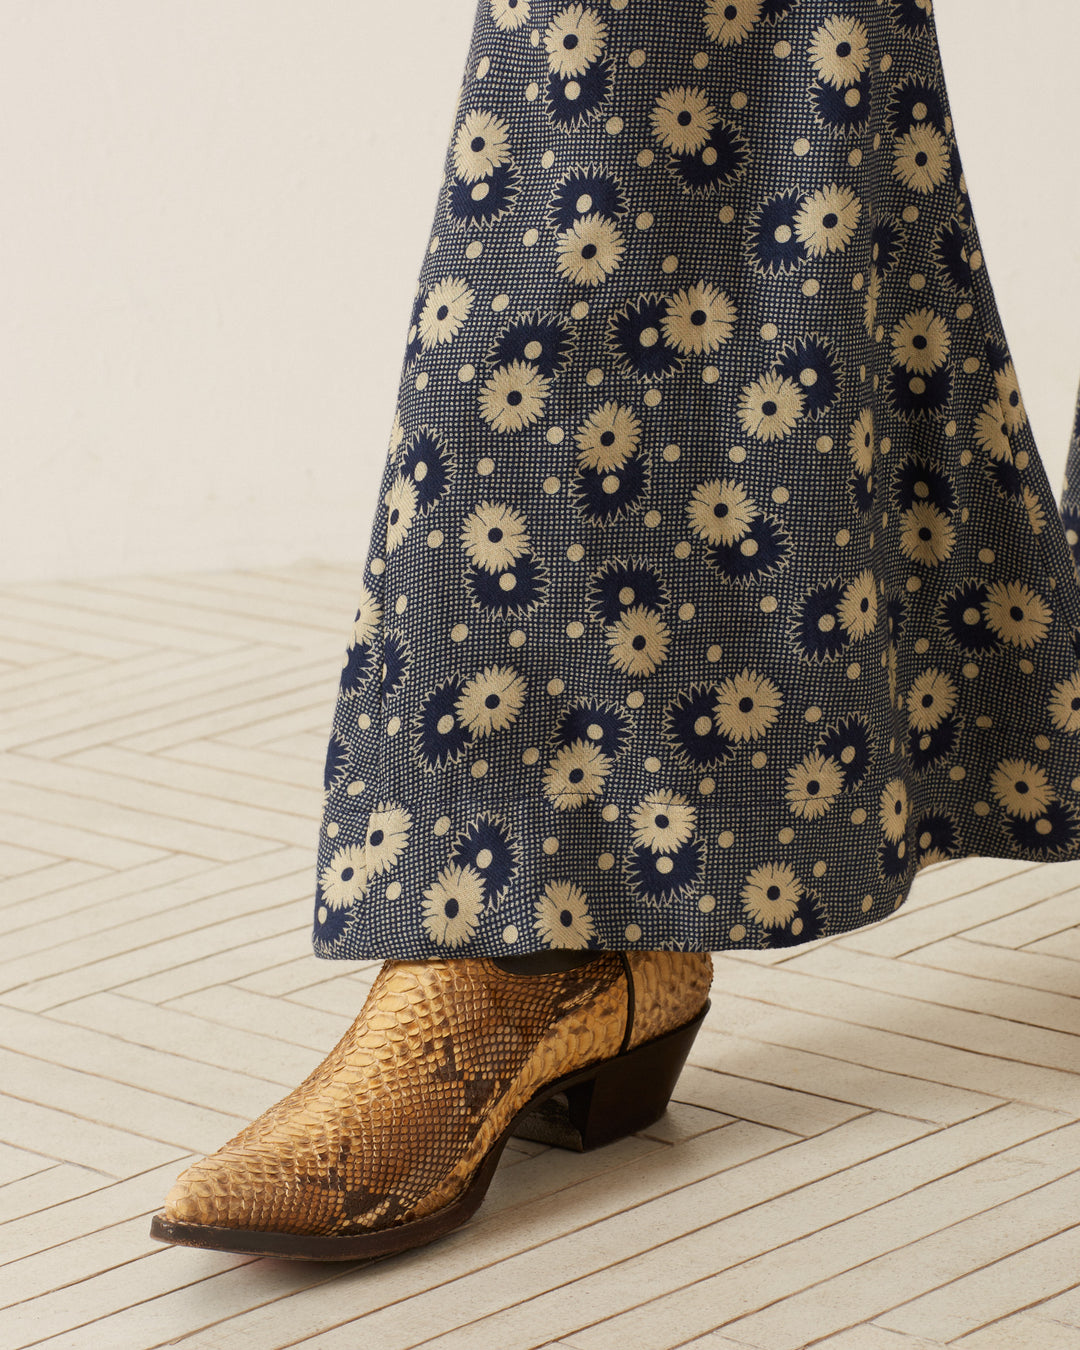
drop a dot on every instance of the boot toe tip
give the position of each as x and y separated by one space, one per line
196 1198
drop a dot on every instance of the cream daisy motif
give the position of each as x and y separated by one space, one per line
514 396
827 219
576 772
1064 704
921 158
771 894
445 311
1016 613
840 51
931 698
1036 514
770 407
729 21
562 916
992 432
663 821
699 319
482 144
608 437
494 535
574 39
492 700
921 342
861 441
397 431
747 705
721 511
813 785
510 14
638 640
894 808
682 119
452 905
344 879
927 535
368 619
1012 405
590 250
387 836
1022 788
400 503
858 608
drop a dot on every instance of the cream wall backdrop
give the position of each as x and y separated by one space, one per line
214 216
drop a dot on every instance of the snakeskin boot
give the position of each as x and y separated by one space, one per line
393 1140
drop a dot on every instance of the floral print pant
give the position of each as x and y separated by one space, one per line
717 585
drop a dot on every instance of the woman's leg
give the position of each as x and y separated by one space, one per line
717 589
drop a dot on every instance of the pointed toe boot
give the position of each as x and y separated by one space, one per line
393 1140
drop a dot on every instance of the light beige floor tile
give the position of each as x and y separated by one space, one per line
1025 970
68 704
1065 945
875 1047
146 915
781 1248
83 897
43 1191
177 965
764 1102
71 1138
53 639
298 772
251 715
149 786
91 1099
1052 915
288 1022
101 1203
983 889
949 989
1033 1270
239 786
179 1038
1023 1329
129 823
258 611
16 861
149 1068
870 1337
67 1315
53 881
95 840
871 1003
17 1163
182 711
1063 1308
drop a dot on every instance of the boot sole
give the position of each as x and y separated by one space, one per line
599 1104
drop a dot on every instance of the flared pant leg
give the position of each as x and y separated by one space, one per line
716 586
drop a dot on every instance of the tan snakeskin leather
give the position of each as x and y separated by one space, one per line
669 988
398 1117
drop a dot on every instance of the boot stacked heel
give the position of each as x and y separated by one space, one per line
615 1098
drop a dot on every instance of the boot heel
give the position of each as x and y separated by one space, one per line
612 1099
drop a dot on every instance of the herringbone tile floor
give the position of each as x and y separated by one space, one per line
876 1144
